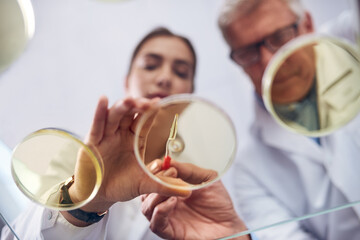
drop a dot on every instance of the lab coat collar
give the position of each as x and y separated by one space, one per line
331 56
274 135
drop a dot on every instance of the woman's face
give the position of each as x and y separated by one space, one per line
162 67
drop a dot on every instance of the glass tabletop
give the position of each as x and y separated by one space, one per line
6 228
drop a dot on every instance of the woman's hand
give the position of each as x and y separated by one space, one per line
112 136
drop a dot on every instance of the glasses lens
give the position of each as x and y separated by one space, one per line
279 38
245 56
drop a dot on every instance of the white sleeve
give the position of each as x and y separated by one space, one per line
259 209
344 26
55 226
12 201
42 223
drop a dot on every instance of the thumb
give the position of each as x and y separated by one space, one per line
167 186
99 121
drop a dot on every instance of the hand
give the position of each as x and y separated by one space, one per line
207 214
112 136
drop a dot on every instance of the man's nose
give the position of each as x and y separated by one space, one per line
265 55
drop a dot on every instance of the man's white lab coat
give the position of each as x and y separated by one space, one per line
281 175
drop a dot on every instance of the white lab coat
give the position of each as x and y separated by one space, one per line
344 26
12 201
281 175
124 221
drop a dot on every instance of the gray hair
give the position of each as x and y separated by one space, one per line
232 8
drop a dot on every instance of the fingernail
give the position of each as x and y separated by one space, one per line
154 167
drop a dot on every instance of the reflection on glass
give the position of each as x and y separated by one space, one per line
205 138
315 88
46 160
6 227
17 24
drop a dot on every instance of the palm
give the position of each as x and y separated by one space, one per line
119 161
112 135
116 150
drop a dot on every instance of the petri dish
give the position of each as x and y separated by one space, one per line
47 159
205 140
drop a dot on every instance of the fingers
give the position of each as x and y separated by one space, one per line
116 114
140 105
121 114
174 186
149 202
98 125
193 174
160 223
151 105
154 166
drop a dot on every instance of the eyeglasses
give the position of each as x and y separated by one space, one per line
249 55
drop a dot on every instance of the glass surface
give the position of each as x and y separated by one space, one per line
318 216
312 86
46 159
17 25
205 139
6 227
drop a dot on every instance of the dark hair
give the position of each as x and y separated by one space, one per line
158 32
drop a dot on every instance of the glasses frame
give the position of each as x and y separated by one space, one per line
266 42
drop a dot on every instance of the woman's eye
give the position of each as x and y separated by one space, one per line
181 70
150 66
182 74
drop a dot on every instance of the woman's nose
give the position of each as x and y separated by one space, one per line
164 79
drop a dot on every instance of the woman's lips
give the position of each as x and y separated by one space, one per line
159 95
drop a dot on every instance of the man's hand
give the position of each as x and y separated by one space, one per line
207 214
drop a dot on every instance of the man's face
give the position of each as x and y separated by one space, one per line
295 76
269 17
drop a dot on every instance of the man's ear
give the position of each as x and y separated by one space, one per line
308 24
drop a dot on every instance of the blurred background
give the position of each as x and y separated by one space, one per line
81 50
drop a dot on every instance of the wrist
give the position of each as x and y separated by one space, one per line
239 227
91 213
97 204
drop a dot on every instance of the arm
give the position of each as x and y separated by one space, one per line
112 134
